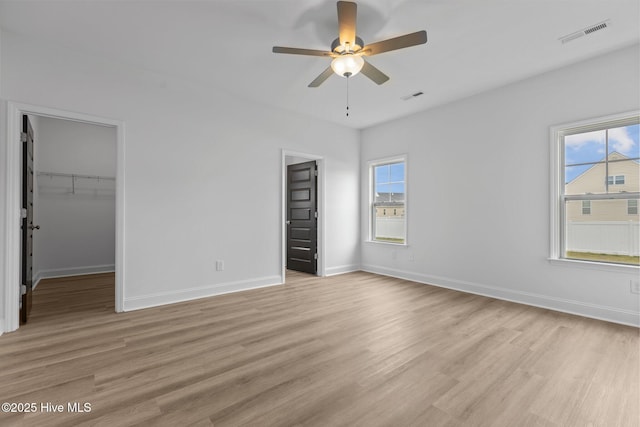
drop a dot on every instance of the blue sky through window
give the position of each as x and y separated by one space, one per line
389 178
590 147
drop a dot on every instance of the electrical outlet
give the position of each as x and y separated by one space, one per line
219 265
635 286
411 257
394 255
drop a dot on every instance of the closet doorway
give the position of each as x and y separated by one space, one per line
74 199
78 201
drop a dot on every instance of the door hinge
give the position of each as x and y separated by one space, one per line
315 172
315 256
23 137
23 213
23 289
315 214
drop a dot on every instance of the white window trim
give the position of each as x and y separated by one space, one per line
370 165
556 218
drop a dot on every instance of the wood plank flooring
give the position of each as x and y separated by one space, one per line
350 350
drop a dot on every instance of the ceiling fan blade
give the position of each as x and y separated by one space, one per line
347 12
321 78
373 73
297 51
413 39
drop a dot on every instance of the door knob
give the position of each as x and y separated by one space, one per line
288 222
34 227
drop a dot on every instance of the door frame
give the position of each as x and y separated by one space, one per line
320 206
13 191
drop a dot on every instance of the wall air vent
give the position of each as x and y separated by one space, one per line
585 31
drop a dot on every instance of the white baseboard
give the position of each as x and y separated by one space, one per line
171 297
341 269
2 331
72 271
595 311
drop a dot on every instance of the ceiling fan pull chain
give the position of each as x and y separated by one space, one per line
347 96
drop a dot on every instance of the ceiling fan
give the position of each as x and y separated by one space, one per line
348 49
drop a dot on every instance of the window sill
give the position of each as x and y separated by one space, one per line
592 265
380 242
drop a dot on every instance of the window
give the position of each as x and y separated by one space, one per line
615 180
388 194
596 187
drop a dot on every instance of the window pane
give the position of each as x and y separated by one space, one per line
625 174
382 174
396 172
383 193
624 140
609 234
396 192
390 227
618 173
585 179
584 147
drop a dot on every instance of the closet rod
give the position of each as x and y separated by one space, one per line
75 175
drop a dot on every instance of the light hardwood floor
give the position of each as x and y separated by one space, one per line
353 350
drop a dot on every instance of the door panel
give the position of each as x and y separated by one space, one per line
302 214
27 220
302 232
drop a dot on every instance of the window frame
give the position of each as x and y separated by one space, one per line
557 225
371 165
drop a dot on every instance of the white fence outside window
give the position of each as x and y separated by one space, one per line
604 237
390 227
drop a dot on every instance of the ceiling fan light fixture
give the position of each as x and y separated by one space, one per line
347 65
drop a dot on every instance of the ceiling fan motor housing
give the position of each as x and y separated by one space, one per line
338 48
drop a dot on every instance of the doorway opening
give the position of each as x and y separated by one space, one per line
74 203
302 214
78 188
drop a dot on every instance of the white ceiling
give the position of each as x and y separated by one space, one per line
226 45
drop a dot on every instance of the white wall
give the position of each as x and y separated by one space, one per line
77 234
478 190
202 167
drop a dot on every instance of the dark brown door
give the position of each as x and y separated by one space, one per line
27 218
302 217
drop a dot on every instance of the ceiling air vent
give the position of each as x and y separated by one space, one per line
597 27
586 31
413 95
